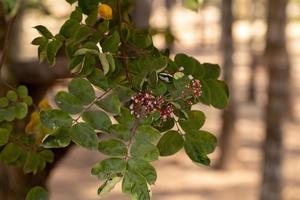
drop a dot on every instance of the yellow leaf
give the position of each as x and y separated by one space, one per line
33 124
44 105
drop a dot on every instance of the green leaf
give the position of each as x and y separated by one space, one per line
3 102
219 98
32 163
84 135
198 144
88 65
225 87
68 102
150 64
28 100
12 95
109 168
147 133
108 185
54 119
42 49
98 79
111 61
76 14
37 193
39 41
111 43
104 63
192 4
194 122
135 185
206 96
4 136
92 17
120 131
52 49
71 1
211 71
88 6
160 89
111 104
10 153
22 91
124 93
97 119
59 139
112 147
140 38
82 89
21 110
181 83
44 31
47 155
9 113
69 28
144 168
82 33
86 51
187 62
125 118
103 27
144 150
165 125
170 143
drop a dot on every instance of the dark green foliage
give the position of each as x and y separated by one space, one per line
37 193
170 143
122 89
84 135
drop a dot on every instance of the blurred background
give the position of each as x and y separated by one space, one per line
257 44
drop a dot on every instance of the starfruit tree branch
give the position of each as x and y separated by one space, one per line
124 54
133 132
91 104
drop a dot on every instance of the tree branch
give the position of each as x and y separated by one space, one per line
91 104
125 59
6 42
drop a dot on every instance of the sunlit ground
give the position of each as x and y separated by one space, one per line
197 34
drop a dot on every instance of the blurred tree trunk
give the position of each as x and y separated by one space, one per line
14 184
2 27
227 137
169 35
278 70
254 56
2 38
141 13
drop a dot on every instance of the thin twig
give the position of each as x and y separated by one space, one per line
91 104
125 59
178 128
133 131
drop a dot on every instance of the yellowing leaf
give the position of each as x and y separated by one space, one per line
35 127
33 124
44 105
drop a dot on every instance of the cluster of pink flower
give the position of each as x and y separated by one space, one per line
196 87
144 103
